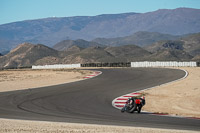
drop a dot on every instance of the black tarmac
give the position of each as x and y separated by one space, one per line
90 101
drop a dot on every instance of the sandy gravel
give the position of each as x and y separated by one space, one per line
178 98
23 79
19 126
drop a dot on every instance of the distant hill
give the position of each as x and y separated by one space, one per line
165 45
91 54
170 55
66 44
73 49
186 48
49 31
189 44
26 55
128 52
108 54
141 38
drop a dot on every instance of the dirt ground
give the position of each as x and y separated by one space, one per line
24 79
19 126
171 100
177 98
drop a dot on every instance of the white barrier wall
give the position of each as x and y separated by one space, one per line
57 66
163 64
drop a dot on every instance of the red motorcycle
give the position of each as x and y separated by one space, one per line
133 104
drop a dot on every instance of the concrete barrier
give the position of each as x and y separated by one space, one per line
57 66
163 64
132 64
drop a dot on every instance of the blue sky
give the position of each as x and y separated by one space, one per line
18 10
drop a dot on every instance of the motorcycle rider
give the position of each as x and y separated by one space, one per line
128 102
135 103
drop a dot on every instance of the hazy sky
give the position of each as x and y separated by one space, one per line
17 10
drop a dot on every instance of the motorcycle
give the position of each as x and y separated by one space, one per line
133 104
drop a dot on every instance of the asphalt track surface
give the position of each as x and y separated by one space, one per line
89 101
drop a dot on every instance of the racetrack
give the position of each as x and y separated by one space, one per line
89 101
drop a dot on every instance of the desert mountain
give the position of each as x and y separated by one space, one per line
141 38
186 48
49 31
66 44
108 54
128 52
165 45
189 44
91 54
26 54
170 55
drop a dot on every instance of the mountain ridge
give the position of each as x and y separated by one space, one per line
140 38
52 30
65 44
189 44
186 48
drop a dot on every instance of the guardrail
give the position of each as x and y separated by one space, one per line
163 64
57 66
122 64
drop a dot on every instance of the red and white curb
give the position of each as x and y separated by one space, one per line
120 101
94 74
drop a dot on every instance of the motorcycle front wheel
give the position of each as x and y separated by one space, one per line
131 108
